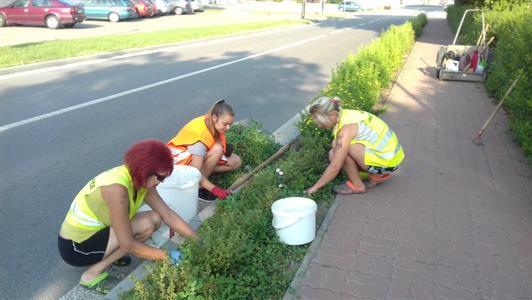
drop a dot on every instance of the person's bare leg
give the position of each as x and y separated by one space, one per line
143 226
211 160
233 162
354 163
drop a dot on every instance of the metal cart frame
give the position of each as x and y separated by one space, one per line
460 50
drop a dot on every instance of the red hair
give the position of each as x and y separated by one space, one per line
147 157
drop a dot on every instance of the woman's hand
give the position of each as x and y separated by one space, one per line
311 190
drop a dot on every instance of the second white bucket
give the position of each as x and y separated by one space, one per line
294 220
180 191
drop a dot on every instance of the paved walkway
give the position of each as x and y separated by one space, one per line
456 220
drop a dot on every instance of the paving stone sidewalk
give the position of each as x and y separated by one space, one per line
455 222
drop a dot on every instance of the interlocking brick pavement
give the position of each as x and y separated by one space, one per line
455 222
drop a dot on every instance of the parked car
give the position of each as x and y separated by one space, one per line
52 13
155 10
143 8
349 6
197 5
180 7
163 7
112 10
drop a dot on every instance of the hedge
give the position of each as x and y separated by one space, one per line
239 256
359 79
512 56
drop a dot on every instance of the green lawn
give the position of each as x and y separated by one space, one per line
44 51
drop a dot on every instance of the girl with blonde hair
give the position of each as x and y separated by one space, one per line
201 144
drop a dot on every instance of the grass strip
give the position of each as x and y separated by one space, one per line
23 54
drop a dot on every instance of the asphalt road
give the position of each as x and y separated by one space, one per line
61 126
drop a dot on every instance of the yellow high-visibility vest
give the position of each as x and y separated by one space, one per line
193 132
382 146
89 213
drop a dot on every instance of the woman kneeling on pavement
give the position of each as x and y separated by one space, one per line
201 144
102 225
362 142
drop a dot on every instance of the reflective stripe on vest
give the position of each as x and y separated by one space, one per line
181 156
382 147
81 216
82 219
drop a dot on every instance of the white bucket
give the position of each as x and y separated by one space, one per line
294 220
180 192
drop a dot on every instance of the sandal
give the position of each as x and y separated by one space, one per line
375 179
96 284
123 261
348 188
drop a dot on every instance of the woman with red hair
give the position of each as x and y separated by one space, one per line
102 225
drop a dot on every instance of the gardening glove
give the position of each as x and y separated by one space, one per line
229 150
220 193
174 256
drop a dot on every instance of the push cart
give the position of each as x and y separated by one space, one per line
464 62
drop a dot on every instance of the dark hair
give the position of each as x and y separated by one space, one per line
219 108
147 157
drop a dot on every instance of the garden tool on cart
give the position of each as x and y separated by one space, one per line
477 140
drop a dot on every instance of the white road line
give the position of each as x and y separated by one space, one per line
149 86
190 44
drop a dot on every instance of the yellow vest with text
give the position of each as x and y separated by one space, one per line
89 212
193 132
382 146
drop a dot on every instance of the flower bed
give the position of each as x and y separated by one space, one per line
239 255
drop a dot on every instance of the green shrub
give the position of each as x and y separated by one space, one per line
252 145
418 23
359 79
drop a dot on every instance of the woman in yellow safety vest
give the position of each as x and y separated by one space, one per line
201 144
102 225
362 142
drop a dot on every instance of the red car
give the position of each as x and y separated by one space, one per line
52 13
143 8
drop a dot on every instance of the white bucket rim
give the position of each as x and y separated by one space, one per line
192 181
312 206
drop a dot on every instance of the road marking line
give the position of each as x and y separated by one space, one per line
149 86
190 44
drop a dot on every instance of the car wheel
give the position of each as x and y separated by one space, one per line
2 20
52 22
114 17
178 11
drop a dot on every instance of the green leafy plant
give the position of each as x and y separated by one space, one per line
512 29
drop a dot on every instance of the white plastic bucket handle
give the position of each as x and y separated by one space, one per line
292 221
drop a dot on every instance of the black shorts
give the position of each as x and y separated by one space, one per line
381 170
86 253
